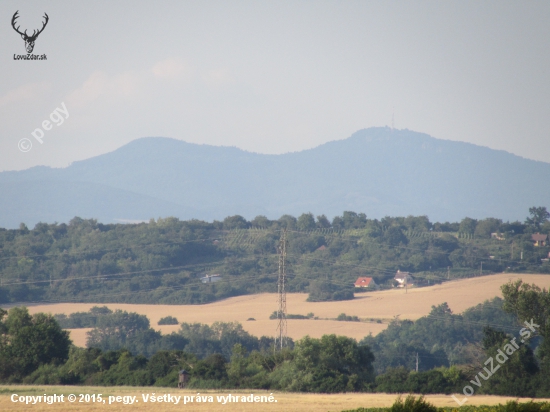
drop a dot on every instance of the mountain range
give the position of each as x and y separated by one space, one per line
377 171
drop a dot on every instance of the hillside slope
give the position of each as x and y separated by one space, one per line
377 171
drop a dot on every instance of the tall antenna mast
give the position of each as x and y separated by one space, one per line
392 117
281 339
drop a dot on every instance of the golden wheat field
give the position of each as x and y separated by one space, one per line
287 402
384 305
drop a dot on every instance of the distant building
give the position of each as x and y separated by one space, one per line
497 236
322 247
365 282
404 279
211 278
540 240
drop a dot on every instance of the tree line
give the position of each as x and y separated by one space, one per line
163 260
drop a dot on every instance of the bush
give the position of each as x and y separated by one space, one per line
168 320
514 406
412 404
290 316
511 406
345 318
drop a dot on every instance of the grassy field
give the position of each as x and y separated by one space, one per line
288 402
459 294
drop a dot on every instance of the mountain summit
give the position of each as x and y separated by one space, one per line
377 171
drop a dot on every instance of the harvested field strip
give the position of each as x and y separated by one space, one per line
287 402
417 302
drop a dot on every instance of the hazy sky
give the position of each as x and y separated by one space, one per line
273 77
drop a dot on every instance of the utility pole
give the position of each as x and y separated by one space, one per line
448 272
481 269
281 339
522 255
417 361
512 253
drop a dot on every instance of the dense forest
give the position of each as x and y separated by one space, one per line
163 260
452 351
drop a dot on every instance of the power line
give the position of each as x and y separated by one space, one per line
342 234
95 296
118 275
133 246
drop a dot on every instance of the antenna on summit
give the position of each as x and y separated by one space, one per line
392 117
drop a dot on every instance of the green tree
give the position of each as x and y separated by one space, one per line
114 331
418 223
306 221
235 222
332 364
323 222
260 221
237 367
30 341
168 320
532 304
213 367
539 215
352 220
288 222
485 227
516 370
467 225
394 236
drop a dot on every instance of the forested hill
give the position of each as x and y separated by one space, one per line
162 261
377 170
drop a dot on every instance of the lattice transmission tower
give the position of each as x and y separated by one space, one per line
281 339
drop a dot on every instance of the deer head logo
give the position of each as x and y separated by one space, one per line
29 40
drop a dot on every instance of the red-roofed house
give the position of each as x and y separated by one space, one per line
364 282
540 240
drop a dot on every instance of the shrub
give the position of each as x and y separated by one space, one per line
345 318
291 316
168 320
514 406
412 404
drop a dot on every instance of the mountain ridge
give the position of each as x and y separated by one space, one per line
378 171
